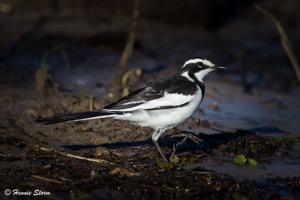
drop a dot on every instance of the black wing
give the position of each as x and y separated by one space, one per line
154 90
135 98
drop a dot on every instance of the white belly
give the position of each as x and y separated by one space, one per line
166 118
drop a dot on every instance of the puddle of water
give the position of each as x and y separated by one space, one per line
237 110
225 165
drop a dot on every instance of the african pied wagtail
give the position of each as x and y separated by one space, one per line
161 104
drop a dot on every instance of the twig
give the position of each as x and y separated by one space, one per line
131 36
48 149
127 52
116 88
285 42
47 179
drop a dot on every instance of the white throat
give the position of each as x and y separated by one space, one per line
201 74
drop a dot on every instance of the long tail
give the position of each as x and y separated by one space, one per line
75 117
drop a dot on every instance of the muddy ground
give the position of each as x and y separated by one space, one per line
252 109
126 164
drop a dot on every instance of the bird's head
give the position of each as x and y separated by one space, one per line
198 68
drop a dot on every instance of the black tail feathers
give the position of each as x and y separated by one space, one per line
73 117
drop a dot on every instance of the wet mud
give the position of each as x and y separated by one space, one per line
125 164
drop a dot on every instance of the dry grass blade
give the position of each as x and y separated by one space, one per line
285 42
48 149
91 103
101 161
47 179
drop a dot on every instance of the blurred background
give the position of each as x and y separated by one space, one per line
92 34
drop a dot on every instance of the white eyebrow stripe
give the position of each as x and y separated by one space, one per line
196 60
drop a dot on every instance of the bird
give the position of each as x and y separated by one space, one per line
161 104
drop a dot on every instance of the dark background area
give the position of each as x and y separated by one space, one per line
252 108
235 31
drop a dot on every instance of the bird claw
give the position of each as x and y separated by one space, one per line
185 137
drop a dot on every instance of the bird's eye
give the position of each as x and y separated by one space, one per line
200 64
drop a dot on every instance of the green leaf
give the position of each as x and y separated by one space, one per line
174 159
252 162
240 160
165 165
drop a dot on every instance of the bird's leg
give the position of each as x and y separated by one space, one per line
155 137
185 137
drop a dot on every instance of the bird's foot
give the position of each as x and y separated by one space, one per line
185 137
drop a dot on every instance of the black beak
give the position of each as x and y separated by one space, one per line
218 67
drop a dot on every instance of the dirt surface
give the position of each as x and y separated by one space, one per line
252 109
126 164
